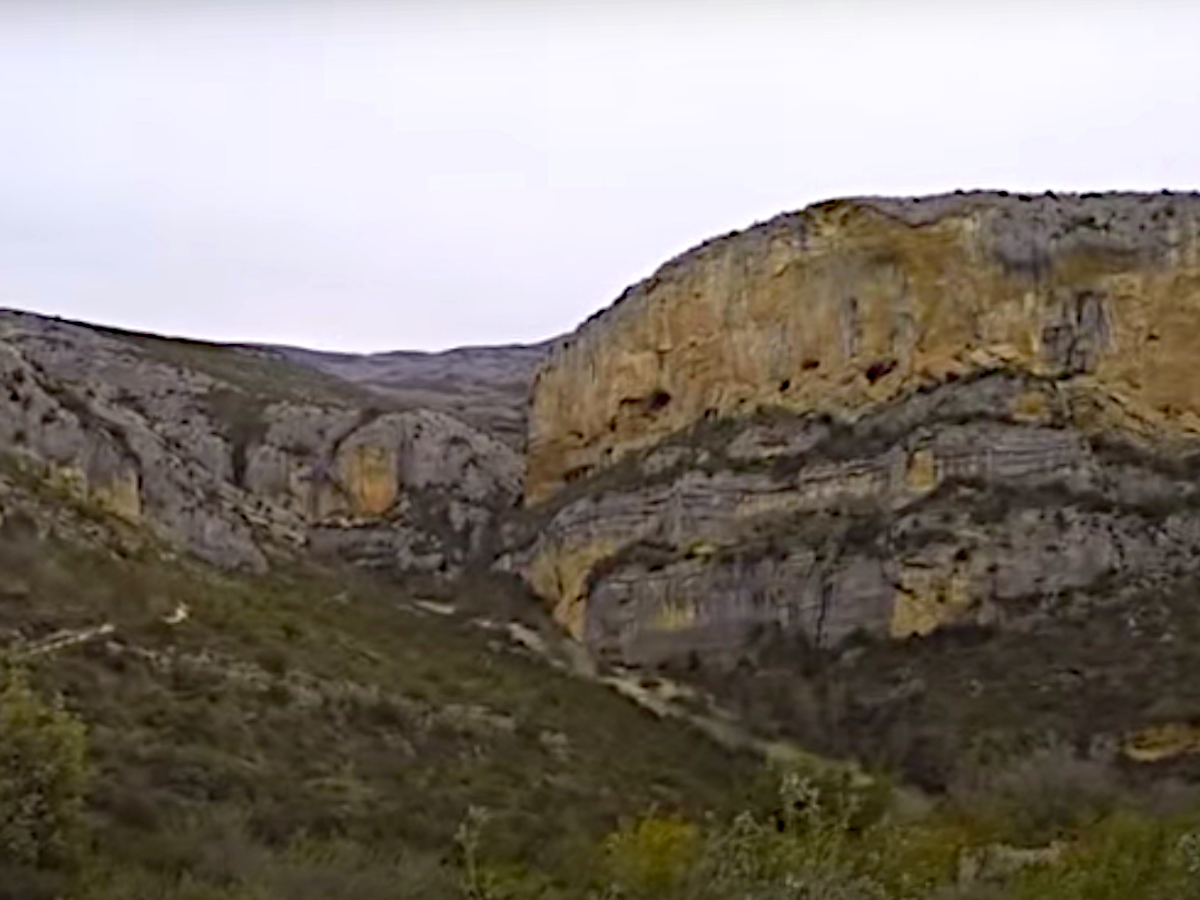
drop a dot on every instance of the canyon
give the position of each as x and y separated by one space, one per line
882 476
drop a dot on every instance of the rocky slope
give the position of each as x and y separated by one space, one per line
237 456
876 419
487 387
235 718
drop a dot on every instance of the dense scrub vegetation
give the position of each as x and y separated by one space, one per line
1093 669
827 832
169 732
823 843
185 732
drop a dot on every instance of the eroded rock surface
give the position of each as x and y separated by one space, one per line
236 456
853 303
876 416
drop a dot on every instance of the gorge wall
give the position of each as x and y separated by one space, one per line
875 415
238 455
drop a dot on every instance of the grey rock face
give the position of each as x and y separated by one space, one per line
643 615
1023 228
62 405
236 457
944 508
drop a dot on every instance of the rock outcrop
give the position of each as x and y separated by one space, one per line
236 455
851 303
876 416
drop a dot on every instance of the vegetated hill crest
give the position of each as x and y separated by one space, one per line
253 582
314 718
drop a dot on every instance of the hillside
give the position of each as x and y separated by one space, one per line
229 716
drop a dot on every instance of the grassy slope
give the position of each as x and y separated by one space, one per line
319 702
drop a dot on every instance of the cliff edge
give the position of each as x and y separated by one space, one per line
854 302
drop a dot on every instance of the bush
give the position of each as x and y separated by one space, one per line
820 844
653 856
809 848
43 777
307 869
915 861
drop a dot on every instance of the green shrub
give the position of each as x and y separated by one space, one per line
236 868
810 847
43 776
653 856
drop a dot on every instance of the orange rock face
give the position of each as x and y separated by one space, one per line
854 302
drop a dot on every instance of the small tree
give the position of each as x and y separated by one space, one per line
43 775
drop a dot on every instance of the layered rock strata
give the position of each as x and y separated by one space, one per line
878 416
234 457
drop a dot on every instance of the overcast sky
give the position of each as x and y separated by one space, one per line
371 175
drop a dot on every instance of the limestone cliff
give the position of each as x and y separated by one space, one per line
855 302
237 455
698 449
892 475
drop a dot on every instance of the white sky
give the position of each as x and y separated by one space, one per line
373 175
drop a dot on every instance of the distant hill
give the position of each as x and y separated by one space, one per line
487 387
